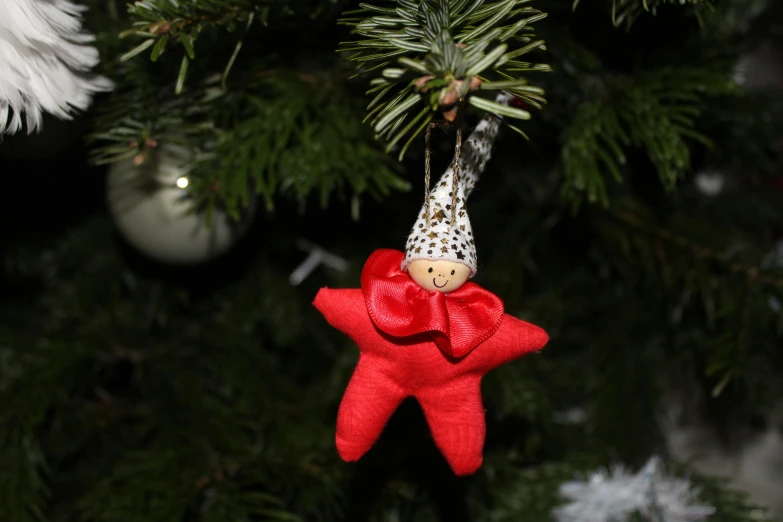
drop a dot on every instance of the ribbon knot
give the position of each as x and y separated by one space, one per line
458 321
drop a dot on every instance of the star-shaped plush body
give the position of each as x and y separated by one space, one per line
439 348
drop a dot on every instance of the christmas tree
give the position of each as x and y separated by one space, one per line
182 177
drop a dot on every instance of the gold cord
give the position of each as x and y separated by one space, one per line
427 173
457 154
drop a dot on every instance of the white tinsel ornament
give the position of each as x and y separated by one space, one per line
149 201
616 495
45 61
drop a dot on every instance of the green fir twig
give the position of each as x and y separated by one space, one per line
436 53
159 23
654 111
628 11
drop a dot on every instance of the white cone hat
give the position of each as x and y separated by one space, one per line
440 234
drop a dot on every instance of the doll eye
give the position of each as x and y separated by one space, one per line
430 270
452 272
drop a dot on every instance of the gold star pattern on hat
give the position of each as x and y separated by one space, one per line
438 221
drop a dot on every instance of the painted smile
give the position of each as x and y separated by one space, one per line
441 286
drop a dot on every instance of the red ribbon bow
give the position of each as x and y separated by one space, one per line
459 321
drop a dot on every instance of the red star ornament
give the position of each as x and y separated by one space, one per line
429 345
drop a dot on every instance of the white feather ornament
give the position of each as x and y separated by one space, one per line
616 495
45 59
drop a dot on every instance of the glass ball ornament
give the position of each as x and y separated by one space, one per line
148 198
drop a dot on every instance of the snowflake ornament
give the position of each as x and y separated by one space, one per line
45 61
614 496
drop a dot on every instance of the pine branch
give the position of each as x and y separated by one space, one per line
36 377
139 118
296 136
708 289
156 485
161 22
753 274
196 428
447 50
23 490
519 392
233 500
655 111
527 491
214 400
286 132
628 11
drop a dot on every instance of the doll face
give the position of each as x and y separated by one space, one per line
439 276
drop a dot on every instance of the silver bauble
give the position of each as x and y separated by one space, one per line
148 199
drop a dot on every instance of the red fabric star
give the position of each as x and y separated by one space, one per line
415 358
